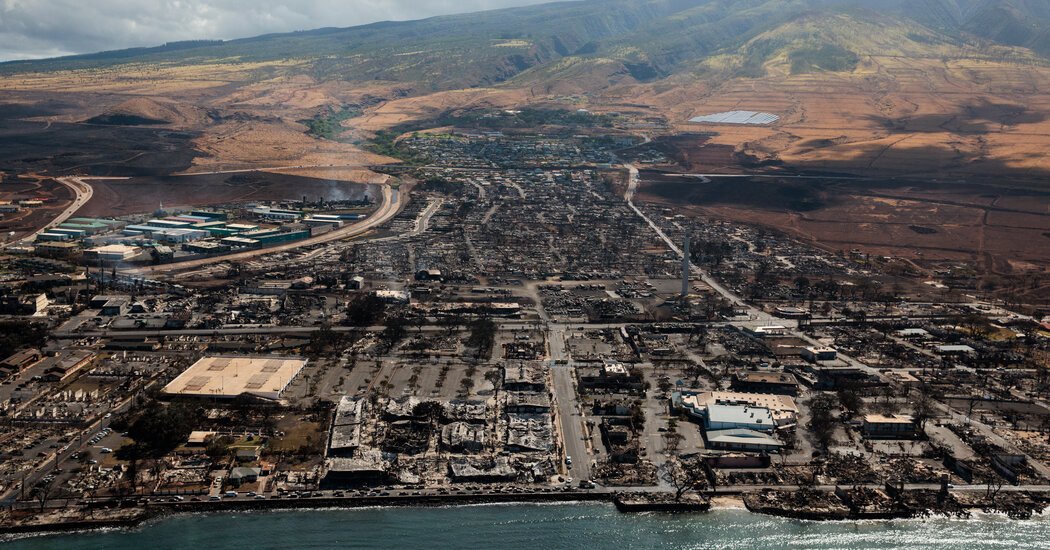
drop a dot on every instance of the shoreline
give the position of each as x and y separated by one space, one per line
140 515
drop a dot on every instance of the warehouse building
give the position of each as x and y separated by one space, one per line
50 236
892 426
205 247
113 253
229 377
167 224
321 222
89 228
73 233
276 213
814 354
765 382
235 242
242 227
54 249
219 216
179 235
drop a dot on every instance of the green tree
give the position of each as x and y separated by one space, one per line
821 422
482 336
159 430
365 311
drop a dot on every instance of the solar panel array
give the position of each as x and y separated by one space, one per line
738 117
219 364
257 381
230 376
196 383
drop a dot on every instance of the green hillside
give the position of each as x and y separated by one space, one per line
630 39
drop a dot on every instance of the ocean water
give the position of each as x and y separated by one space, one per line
543 526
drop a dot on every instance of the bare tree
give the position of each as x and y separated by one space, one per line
672 442
495 378
43 492
924 407
683 476
156 469
993 484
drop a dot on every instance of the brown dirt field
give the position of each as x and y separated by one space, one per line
56 198
909 221
397 110
893 116
268 143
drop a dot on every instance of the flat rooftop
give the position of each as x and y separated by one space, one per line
227 377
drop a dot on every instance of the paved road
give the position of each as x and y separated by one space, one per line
82 194
755 314
58 457
422 223
391 204
569 410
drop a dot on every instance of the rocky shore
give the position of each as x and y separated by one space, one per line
661 502
111 515
866 503
805 504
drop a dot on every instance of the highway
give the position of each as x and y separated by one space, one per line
422 223
276 168
82 192
754 313
392 201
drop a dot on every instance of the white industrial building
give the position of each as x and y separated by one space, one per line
179 235
721 410
113 252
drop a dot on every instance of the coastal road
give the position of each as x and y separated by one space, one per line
392 201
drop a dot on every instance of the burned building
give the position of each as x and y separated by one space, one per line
781 383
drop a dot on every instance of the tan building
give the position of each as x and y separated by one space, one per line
229 377
113 252
893 426
57 249
765 382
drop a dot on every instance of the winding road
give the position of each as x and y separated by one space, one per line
82 192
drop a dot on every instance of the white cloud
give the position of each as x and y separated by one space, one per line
47 28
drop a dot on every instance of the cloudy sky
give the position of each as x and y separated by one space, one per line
47 28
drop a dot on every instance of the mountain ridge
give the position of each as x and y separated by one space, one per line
652 39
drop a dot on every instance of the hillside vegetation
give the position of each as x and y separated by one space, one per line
619 39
